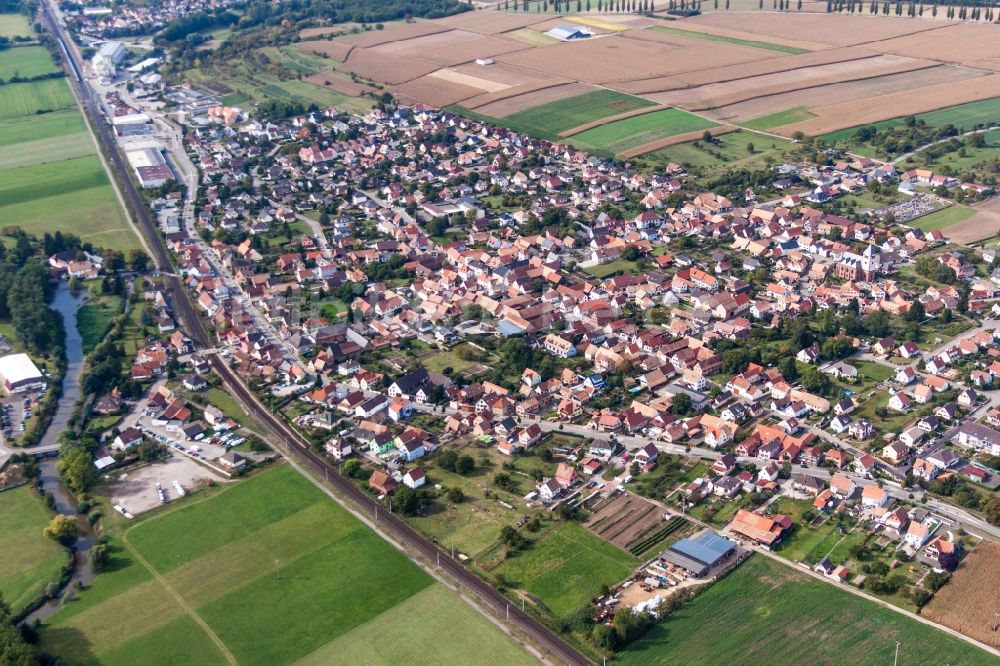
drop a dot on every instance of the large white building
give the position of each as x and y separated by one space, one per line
150 167
18 374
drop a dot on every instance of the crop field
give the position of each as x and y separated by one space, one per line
24 129
30 560
622 135
14 25
329 48
29 184
199 582
48 150
25 62
451 48
766 612
631 522
731 40
968 602
943 218
984 224
566 567
435 90
24 99
786 117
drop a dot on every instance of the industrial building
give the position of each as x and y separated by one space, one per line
568 33
698 554
150 167
19 374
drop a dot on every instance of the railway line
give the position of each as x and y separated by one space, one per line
295 445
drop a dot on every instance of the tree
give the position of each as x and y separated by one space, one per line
631 253
512 538
916 313
407 501
992 511
789 370
62 529
99 557
465 464
681 404
455 495
76 469
138 261
815 381
448 460
14 650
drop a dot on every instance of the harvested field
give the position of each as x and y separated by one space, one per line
312 33
626 520
532 37
434 91
411 31
660 144
331 81
452 47
508 76
984 224
710 36
832 29
969 602
385 68
513 92
470 80
339 51
779 43
966 44
598 27
514 104
489 22
872 109
718 95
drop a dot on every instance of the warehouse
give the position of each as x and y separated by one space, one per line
18 374
150 167
698 554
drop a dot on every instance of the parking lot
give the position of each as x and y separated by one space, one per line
15 414
135 490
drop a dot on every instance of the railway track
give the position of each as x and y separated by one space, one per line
296 446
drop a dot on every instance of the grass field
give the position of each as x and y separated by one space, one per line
47 151
631 132
14 25
610 268
26 129
197 583
94 319
25 62
766 612
729 40
728 151
30 560
943 218
25 99
566 568
548 120
786 117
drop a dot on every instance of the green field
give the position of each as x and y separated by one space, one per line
767 613
25 62
729 40
197 583
30 560
548 120
728 151
26 129
25 99
786 117
566 568
47 151
14 25
943 218
93 319
638 130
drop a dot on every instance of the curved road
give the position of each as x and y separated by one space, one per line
544 638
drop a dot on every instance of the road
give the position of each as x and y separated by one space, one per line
291 443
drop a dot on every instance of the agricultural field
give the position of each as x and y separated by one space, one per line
622 135
25 62
30 560
735 150
968 602
565 567
14 25
34 97
632 523
731 40
786 117
767 612
943 218
198 582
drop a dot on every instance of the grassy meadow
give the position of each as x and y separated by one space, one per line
30 560
624 134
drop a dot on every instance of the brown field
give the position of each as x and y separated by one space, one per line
623 519
434 91
339 51
717 95
513 104
512 93
500 73
453 47
969 602
471 80
833 117
385 68
984 224
973 45
832 29
331 81
312 33
740 33
489 22
665 142
376 37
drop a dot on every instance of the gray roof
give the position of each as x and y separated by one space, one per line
706 548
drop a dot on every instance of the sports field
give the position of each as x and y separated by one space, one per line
565 568
631 132
767 613
198 583
729 40
548 120
30 560
25 62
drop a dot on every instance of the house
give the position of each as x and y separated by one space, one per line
860 429
400 409
414 478
912 436
724 465
906 376
382 483
559 346
967 398
550 489
647 454
916 534
874 497
896 452
864 464
842 486
338 448
810 485
566 476
760 529
232 460
194 383
410 444
943 458
922 469
899 403
127 439
896 520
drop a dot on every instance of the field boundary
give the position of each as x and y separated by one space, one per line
665 142
612 119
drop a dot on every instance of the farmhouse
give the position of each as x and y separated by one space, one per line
765 531
19 374
698 554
